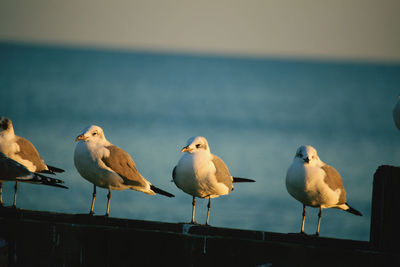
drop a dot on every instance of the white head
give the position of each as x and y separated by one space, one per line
307 155
196 144
91 133
6 125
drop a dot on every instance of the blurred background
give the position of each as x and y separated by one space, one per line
256 78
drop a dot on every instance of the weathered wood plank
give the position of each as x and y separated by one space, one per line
55 239
385 210
34 238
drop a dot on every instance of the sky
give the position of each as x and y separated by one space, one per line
342 29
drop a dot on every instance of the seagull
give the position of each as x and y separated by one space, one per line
22 151
108 166
396 114
202 174
316 184
10 170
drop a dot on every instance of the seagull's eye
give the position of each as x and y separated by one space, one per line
198 145
94 134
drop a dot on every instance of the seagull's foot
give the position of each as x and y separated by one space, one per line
317 234
91 213
14 207
194 222
106 215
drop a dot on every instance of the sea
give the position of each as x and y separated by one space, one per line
254 112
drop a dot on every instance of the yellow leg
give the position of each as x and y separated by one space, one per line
319 221
108 202
193 209
15 195
208 210
93 199
304 218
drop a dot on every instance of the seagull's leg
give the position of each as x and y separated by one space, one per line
193 210
108 202
94 197
304 218
208 210
1 194
15 195
319 220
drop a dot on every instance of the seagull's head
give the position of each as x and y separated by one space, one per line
6 125
307 155
196 144
91 133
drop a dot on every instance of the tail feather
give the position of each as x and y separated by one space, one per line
242 180
160 191
353 211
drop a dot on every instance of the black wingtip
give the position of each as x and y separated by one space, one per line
44 180
242 180
50 180
55 169
353 211
160 191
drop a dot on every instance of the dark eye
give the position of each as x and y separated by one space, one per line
198 145
94 134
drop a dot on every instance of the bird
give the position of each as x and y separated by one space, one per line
396 113
10 170
108 166
202 174
316 184
22 151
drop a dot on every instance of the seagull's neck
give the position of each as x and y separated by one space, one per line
312 164
95 148
198 158
97 143
201 154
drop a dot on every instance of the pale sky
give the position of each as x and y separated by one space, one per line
330 29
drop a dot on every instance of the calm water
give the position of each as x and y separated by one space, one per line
254 113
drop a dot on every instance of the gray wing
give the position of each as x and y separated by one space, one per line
120 162
334 181
27 151
222 172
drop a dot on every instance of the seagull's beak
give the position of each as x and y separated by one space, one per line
81 137
186 149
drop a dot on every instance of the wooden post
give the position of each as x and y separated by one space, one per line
385 227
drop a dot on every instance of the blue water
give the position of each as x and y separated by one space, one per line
255 113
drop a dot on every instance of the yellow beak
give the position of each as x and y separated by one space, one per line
81 137
186 149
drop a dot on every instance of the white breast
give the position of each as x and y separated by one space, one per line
87 159
193 174
306 184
